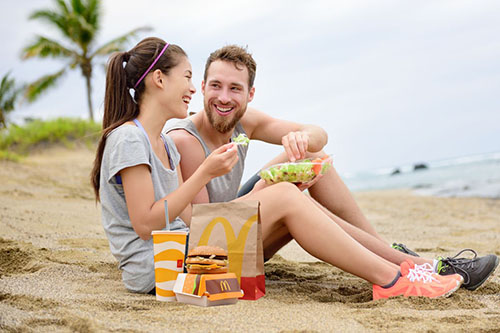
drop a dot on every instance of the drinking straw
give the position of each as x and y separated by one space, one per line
166 216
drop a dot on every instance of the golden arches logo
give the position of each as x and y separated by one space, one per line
224 286
235 245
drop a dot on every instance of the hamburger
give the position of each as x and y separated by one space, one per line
207 260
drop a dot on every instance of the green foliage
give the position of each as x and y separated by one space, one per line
44 47
34 89
8 97
20 140
79 22
9 156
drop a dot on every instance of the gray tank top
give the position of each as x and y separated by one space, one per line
223 188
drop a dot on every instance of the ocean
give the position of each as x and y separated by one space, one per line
467 176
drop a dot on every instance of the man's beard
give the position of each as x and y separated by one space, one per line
222 124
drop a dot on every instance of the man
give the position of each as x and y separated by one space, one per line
228 88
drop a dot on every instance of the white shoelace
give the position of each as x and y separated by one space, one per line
425 268
421 273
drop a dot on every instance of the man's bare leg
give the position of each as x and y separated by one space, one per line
281 237
372 243
332 193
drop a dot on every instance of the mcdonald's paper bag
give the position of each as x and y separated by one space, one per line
236 227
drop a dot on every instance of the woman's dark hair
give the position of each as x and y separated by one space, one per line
123 71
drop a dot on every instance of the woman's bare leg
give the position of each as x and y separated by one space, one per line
372 243
284 209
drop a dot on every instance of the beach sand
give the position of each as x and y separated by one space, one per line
57 273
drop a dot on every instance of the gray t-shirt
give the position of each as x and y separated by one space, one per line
223 188
128 146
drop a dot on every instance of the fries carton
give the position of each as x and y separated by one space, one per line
207 289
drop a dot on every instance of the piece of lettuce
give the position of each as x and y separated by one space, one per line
241 139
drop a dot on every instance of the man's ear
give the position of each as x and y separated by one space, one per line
203 87
251 93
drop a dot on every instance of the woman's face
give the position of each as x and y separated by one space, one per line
178 89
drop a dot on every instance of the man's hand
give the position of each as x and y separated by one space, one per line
305 186
296 145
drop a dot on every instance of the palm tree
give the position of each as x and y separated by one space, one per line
79 22
8 96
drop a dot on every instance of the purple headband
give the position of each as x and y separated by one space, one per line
152 65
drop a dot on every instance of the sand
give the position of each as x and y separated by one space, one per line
57 274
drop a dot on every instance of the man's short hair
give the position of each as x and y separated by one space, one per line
238 56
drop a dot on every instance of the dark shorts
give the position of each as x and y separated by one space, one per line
248 186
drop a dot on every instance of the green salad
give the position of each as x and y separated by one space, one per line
296 172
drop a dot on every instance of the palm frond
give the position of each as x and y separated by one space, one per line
44 47
8 93
63 7
75 19
78 6
33 90
85 33
83 20
9 103
53 18
93 13
6 84
117 44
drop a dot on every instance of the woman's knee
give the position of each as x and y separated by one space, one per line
285 190
286 196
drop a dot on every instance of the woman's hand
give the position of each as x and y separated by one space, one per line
220 161
295 144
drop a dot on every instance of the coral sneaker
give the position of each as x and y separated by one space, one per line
415 281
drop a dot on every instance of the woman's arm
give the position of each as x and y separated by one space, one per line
146 214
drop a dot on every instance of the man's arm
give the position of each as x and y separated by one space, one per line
192 155
297 139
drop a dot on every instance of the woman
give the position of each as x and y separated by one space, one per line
136 170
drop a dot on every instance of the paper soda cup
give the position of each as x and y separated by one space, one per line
169 253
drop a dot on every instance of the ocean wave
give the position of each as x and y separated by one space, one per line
477 175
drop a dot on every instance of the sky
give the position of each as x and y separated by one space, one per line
393 82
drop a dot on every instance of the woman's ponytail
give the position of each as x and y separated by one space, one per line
119 107
118 103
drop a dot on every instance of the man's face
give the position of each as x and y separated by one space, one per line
226 94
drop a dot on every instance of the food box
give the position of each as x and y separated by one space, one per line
207 289
302 171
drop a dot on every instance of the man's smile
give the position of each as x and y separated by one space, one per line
223 110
